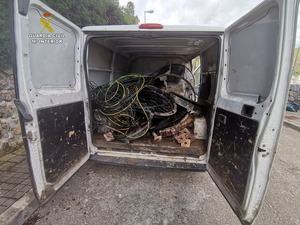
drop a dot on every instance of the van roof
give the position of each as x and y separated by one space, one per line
165 28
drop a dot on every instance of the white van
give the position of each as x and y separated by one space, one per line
249 69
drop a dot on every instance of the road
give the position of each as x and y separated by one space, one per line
101 194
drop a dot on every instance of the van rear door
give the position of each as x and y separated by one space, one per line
254 78
51 94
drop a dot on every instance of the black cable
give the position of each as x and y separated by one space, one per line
132 105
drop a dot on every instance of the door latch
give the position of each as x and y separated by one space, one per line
23 6
27 117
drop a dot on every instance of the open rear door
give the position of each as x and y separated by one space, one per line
51 94
254 79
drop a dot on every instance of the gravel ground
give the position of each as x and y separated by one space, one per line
101 194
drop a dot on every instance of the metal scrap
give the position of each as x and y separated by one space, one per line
134 105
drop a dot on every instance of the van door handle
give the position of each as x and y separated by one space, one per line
22 110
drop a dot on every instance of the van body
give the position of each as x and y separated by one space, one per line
247 68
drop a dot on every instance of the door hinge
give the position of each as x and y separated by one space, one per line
30 136
27 117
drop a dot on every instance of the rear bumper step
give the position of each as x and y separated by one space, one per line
148 163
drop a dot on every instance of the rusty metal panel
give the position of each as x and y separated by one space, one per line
63 138
231 150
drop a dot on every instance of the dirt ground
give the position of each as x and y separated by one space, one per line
101 194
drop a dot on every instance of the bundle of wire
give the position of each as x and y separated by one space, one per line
130 103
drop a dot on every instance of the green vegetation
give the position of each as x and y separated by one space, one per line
296 63
4 36
80 12
94 12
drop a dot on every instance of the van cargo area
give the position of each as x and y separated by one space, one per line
144 97
198 98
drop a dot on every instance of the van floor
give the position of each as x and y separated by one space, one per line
167 146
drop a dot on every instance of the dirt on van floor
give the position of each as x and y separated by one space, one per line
101 194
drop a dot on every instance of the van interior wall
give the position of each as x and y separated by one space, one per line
105 64
209 79
149 64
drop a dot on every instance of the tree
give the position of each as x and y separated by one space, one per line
4 36
95 12
128 14
80 12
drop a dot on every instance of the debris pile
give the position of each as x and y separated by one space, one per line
163 104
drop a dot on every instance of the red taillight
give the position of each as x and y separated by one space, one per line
151 26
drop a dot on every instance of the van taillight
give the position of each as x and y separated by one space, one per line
151 26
